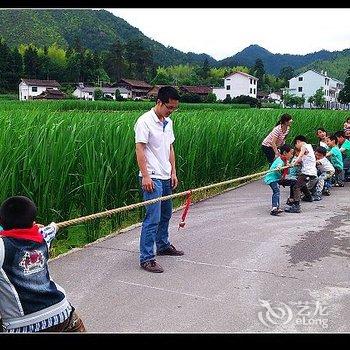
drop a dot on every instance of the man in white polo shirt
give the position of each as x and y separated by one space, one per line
154 139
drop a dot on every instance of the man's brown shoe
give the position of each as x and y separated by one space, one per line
151 266
171 250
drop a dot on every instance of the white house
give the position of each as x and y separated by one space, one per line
275 96
307 83
87 92
237 84
28 88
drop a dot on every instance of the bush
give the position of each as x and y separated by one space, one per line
190 98
98 94
243 99
227 99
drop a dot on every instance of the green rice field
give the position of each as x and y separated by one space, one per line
75 158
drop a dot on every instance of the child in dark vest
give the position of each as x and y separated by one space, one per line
30 301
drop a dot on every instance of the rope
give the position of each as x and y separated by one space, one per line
111 212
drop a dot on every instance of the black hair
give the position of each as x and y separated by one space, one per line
168 92
299 138
322 129
321 150
284 119
339 133
17 212
333 138
285 148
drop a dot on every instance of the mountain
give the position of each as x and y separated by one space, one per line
274 62
97 29
335 68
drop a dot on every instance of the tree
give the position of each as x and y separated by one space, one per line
118 96
31 63
259 71
311 100
319 98
139 59
210 98
162 77
286 73
204 71
114 61
98 94
344 94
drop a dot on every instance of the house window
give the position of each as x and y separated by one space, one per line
251 90
254 82
228 87
34 89
254 91
228 95
251 81
300 79
300 89
90 93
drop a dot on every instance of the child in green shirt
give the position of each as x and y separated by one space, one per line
273 178
336 158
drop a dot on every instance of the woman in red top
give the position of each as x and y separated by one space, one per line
276 138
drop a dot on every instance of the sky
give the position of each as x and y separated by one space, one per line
222 32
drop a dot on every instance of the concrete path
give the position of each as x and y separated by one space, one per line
243 271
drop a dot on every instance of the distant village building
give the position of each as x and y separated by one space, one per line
137 89
275 96
201 90
87 92
237 84
306 84
30 88
50 94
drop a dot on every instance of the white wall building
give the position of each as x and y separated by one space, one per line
28 88
237 84
308 82
87 92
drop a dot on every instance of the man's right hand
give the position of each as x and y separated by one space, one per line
147 184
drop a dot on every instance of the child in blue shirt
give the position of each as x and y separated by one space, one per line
273 178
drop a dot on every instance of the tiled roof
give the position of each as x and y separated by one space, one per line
197 89
104 89
51 93
38 82
242 73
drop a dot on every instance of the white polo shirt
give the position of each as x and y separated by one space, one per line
158 137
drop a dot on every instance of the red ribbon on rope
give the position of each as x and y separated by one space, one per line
184 213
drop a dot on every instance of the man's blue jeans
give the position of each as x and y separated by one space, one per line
155 226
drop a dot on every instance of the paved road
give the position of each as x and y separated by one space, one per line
243 271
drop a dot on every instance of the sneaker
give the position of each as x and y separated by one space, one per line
293 209
171 250
317 198
307 199
151 266
326 192
274 212
289 201
279 210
